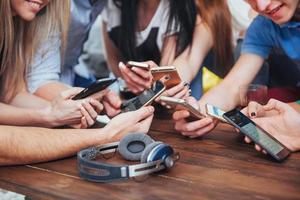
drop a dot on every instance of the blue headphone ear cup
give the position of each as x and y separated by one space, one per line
148 149
132 146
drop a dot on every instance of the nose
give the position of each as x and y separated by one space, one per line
262 4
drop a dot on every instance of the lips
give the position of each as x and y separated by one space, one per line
273 11
35 4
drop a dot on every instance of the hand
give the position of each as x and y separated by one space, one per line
180 91
138 121
282 122
78 114
192 129
112 104
137 79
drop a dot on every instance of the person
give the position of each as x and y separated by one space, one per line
167 32
24 145
277 26
279 119
17 51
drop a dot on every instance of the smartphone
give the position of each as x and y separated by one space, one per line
97 86
145 98
276 149
215 112
181 104
138 64
169 73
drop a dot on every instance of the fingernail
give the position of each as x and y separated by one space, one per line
253 114
168 107
186 84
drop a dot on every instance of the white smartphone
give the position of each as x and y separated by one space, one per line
138 64
215 112
181 104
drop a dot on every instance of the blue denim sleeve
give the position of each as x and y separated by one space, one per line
258 38
46 64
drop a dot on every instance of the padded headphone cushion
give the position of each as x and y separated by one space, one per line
147 151
132 146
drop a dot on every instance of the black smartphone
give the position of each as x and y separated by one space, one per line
258 135
145 98
97 86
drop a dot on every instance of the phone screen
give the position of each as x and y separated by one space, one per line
215 112
143 99
257 134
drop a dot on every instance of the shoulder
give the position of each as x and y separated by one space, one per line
111 15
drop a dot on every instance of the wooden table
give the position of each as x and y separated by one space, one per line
217 166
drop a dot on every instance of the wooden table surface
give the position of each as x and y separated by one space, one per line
217 166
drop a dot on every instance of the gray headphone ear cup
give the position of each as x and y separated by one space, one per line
148 150
132 146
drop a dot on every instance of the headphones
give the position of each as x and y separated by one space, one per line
154 157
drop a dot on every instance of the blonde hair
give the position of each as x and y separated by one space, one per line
19 41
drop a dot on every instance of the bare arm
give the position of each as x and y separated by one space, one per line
111 51
189 62
51 90
226 94
23 145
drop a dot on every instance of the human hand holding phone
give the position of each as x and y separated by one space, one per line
280 120
195 128
137 78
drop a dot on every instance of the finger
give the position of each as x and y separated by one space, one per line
145 124
142 113
110 110
252 109
130 84
179 115
90 110
176 89
151 63
99 95
87 116
113 99
258 148
201 131
98 107
132 77
182 94
84 124
274 104
265 152
145 74
68 94
196 125
247 140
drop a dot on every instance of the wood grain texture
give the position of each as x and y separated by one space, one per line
217 166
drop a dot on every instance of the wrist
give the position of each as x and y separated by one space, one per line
47 118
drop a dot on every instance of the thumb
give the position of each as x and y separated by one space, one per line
142 113
67 94
99 95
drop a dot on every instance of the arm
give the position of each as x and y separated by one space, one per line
23 145
189 62
225 96
111 52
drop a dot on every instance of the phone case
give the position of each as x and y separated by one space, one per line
169 74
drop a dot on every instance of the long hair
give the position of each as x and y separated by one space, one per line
216 15
19 41
182 15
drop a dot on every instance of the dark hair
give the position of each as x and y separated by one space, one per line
182 16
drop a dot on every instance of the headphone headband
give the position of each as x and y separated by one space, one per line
105 172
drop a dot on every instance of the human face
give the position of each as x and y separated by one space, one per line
279 11
27 9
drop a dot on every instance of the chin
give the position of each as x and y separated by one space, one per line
28 17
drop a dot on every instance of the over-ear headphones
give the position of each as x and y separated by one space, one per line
154 157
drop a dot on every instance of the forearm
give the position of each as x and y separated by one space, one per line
51 90
11 115
23 145
112 53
